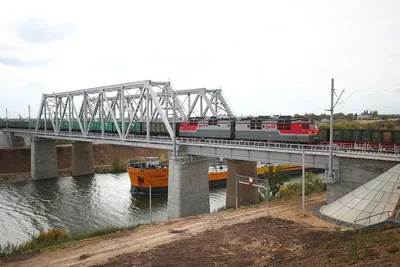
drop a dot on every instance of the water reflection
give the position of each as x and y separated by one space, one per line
78 205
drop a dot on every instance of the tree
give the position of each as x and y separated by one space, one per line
372 125
390 125
276 178
163 159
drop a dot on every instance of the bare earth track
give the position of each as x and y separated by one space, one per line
241 238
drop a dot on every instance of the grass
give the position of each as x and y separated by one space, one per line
52 239
356 247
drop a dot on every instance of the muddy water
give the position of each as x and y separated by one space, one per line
78 205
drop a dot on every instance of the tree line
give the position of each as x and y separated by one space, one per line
388 125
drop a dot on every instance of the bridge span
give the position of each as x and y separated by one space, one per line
70 115
279 153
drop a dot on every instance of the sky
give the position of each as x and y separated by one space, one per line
269 57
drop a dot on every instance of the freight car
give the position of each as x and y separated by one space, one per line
137 128
374 138
16 124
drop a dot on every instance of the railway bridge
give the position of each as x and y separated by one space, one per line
70 115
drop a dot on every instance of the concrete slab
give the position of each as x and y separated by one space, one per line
372 198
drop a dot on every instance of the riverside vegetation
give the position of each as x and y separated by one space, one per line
51 239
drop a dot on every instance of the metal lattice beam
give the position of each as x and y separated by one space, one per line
204 102
122 105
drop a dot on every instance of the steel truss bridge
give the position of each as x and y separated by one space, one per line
124 104
149 101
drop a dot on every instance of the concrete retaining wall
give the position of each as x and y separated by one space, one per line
354 173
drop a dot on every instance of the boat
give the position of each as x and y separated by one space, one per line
149 171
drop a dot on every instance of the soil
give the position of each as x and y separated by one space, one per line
247 237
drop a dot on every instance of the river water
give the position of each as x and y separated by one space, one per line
78 205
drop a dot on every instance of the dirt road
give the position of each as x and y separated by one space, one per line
237 238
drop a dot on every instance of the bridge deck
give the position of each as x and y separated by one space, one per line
315 155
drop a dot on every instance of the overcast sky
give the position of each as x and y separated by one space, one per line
269 57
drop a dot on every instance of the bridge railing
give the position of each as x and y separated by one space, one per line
368 218
285 146
340 151
96 135
392 155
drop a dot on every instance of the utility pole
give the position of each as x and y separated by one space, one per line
303 184
29 116
331 131
173 123
6 119
331 126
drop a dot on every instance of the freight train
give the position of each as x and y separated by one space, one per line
261 128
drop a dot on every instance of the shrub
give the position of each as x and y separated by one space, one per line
313 184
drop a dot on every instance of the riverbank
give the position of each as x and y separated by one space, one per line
245 237
15 163
26 176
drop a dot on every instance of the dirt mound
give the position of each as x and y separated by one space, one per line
266 242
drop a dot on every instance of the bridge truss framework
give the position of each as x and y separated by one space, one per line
125 104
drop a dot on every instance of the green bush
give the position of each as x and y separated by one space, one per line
313 184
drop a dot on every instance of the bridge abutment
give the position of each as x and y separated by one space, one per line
246 194
9 139
82 159
354 173
43 159
188 186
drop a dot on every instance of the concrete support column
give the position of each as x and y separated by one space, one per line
246 194
82 159
43 159
188 187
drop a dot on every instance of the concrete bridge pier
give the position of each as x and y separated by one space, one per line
82 159
188 187
246 194
43 159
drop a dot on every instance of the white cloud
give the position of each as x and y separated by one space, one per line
270 57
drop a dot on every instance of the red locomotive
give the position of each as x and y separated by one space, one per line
261 128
